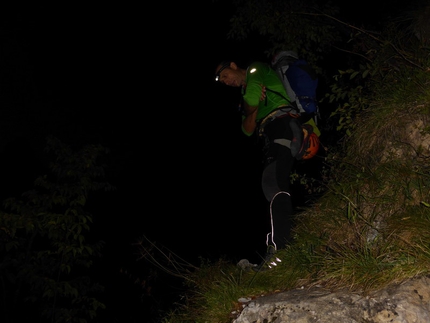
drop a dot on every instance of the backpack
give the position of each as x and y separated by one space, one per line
300 81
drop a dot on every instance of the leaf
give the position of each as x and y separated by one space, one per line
365 73
353 75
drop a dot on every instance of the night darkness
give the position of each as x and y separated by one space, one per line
183 172
109 75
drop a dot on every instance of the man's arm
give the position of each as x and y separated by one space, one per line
248 122
250 113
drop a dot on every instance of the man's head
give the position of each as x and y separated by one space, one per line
230 74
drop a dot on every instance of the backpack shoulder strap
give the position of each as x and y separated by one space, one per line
276 92
293 104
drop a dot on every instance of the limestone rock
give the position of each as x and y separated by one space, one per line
408 302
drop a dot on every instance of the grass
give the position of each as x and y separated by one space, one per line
342 241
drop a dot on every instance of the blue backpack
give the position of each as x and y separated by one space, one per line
299 80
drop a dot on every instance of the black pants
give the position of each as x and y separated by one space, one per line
276 181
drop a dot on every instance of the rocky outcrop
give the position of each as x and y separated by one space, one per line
402 303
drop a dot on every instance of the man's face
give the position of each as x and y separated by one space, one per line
229 75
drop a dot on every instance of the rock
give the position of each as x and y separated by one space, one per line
407 302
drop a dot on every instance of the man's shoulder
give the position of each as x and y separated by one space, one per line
259 69
258 64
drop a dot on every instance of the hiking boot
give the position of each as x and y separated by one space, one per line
269 261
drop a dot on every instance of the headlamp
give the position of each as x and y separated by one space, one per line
224 65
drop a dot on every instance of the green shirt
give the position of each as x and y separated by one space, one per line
258 75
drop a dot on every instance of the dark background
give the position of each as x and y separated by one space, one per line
139 80
142 87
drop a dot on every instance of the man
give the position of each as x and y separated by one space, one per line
267 113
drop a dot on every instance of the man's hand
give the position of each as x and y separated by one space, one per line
263 93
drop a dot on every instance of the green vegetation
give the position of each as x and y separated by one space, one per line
370 226
44 250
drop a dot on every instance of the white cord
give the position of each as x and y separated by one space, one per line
271 220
